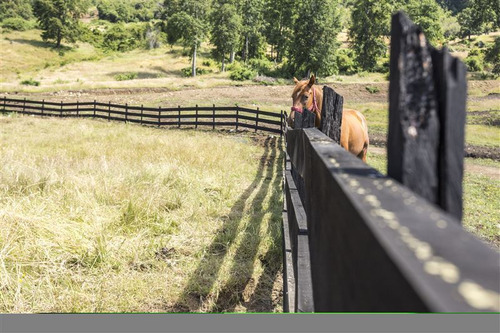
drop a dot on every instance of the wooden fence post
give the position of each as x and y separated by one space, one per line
237 116
95 106
179 116
142 112
126 112
61 111
213 117
24 105
256 120
77 109
281 123
451 88
109 111
159 115
427 94
4 103
196 119
43 106
331 115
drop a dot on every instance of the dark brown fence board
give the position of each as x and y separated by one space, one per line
376 246
331 114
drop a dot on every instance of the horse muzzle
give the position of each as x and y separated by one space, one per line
296 109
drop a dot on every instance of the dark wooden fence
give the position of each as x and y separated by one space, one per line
356 240
212 116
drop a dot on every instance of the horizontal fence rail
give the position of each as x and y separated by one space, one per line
212 116
373 244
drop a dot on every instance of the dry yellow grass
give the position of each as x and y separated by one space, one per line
108 217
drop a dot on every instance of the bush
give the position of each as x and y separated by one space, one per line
18 24
124 38
30 82
242 74
372 89
186 72
208 63
262 66
125 76
345 61
474 63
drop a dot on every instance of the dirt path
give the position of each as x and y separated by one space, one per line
489 171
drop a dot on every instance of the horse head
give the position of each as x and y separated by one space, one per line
306 95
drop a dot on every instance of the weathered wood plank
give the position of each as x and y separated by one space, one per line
331 115
413 138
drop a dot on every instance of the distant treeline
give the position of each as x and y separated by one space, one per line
270 37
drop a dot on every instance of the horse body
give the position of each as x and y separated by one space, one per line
354 129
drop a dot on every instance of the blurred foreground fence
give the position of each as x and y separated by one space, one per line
356 240
212 116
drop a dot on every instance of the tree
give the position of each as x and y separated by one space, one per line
492 55
478 17
186 21
279 17
315 37
428 15
226 27
15 9
252 15
59 19
370 22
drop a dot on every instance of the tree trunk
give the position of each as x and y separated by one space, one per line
193 66
223 64
245 50
231 57
59 38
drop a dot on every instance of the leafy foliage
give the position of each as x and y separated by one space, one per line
314 38
59 19
226 27
16 9
370 23
17 23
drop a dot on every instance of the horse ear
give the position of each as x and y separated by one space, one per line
312 80
295 80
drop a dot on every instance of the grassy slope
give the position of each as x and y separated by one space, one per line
114 217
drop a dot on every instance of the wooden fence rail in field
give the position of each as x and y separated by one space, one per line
356 240
213 116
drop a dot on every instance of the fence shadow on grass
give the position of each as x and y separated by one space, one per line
204 277
241 271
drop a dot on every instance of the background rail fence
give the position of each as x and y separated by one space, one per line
210 116
356 240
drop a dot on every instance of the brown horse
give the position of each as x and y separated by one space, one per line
354 130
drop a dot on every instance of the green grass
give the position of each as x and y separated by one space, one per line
110 217
481 195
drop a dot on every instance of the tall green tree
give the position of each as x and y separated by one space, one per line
226 29
315 37
370 22
279 16
59 19
252 13
428 15
187 22
479 16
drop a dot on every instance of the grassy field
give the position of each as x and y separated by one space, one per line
108 217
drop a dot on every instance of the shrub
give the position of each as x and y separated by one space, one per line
199 71
345 62
125 76
262 66
124 38
242 73
372 89
474 63
18 24
208 63
30 82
